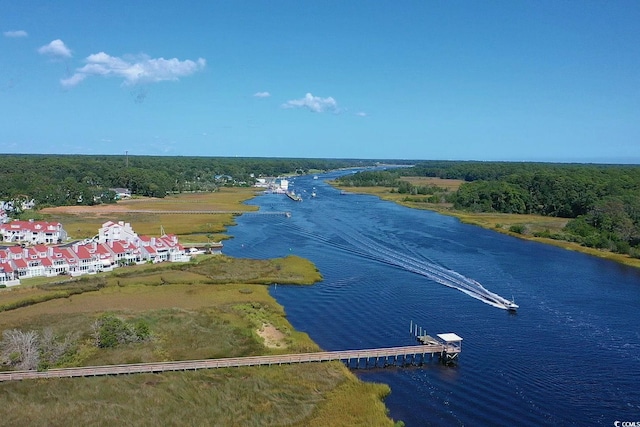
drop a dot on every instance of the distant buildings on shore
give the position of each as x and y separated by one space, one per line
115 245
121 193
273 185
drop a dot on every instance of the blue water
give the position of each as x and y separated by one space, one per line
570 356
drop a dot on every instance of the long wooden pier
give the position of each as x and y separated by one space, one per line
368 358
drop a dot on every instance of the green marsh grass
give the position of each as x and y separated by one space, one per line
212 306
298 395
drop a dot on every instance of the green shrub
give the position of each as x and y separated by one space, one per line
111 331
546 234
518 228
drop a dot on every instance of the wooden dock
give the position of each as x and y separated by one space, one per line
368 358
451 341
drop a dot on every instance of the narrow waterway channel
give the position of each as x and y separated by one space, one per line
570 356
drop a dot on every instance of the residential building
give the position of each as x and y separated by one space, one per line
33 232
116 245
111 231
121 193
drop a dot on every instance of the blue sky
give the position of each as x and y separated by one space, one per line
460 80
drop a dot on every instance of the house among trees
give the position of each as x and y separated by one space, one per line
116 245
121 193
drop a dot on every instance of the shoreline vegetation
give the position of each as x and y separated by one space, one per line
213 306
217 306
504 223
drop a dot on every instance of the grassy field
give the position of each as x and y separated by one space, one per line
84 221
448 184
214 306
306 395
494 221
206 309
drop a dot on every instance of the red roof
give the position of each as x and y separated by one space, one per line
116 247
37 252
83 252
15 250
121 247
20 263
66 253
33 226
102 249
43 249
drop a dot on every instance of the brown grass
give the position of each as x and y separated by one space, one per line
448 184
84 221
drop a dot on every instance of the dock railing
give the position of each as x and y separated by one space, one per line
366 358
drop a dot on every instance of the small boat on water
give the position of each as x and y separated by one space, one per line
512 306
293 196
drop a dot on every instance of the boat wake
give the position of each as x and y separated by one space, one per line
355 243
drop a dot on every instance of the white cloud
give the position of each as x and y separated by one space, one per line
262 94
56 48
73 80
139 69
16 33
361 114
313 103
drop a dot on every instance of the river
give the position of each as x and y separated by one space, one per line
570 356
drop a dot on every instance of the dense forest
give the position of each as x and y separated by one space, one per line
68 180
601 201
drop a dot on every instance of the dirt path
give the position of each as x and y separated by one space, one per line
272 337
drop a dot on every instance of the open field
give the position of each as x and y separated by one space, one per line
192 313
449 184
303 395
495 221
84 221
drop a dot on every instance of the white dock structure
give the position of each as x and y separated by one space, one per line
451 343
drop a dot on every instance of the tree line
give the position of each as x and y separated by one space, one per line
601 201
56 180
